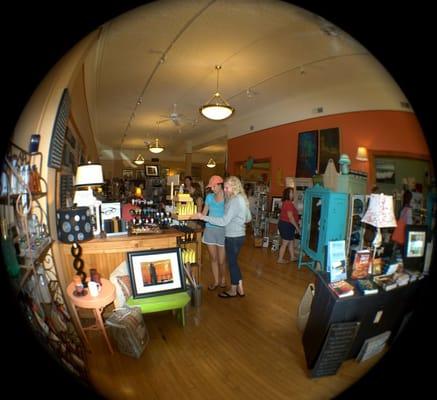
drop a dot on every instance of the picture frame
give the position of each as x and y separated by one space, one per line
385 171
140 173
151 170
128 174
307 151
329 147
156 272
276 201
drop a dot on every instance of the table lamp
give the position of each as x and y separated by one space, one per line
87 176
379 214
74 226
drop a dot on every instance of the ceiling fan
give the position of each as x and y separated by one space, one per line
177 118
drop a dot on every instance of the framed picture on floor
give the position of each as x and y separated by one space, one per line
156 272
307 151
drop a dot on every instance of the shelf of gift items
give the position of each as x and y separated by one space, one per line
184 207
37 280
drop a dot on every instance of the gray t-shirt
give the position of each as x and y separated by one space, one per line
236 216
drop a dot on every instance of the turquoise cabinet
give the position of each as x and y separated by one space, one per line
324 219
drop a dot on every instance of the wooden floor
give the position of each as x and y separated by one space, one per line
237 348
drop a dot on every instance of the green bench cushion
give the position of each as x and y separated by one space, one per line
160 303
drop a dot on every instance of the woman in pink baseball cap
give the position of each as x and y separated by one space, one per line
214 235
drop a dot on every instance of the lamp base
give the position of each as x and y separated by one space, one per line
78 263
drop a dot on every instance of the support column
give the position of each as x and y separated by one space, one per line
188 157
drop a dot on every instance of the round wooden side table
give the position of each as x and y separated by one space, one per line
96 304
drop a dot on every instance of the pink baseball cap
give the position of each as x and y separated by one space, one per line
214 180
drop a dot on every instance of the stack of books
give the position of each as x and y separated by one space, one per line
361 265
387 282
402 278
342 288
366 286
414 275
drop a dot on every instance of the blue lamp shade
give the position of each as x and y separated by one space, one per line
74 224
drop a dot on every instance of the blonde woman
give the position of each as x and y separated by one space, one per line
236 215
214 235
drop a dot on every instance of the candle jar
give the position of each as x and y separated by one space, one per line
78 286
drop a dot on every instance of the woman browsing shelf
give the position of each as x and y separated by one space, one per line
288 225
234 220
214 235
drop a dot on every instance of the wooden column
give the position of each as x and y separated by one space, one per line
188 157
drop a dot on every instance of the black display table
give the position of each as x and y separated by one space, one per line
375 313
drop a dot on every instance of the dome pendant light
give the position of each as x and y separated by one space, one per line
217 108
156 148
211 163
139 160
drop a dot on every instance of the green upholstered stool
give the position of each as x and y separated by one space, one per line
174 301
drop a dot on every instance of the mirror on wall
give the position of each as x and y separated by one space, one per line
391 173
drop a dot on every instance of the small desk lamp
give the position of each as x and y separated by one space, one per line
88 175
379 214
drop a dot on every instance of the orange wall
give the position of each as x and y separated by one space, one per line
376 130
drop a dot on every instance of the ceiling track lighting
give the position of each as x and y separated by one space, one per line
211 163
217 108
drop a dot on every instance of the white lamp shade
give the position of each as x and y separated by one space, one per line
362 154
380 213
89 175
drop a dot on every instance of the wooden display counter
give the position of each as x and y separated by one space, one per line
106 254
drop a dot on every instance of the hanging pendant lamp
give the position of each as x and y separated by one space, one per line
139 160
217 108
211 163
156 147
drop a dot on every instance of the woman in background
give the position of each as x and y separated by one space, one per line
197 195
405 218
288 225
214 235
234 220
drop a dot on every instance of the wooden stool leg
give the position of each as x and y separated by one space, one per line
79 324
99 321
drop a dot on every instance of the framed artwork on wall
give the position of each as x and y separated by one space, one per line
276 203
151 170
156 272
329 145
128 174
307 150
140 173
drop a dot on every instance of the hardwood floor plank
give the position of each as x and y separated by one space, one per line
237 348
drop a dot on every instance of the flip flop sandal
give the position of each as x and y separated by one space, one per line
212 287
226 295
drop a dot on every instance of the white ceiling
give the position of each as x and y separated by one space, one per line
279 63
